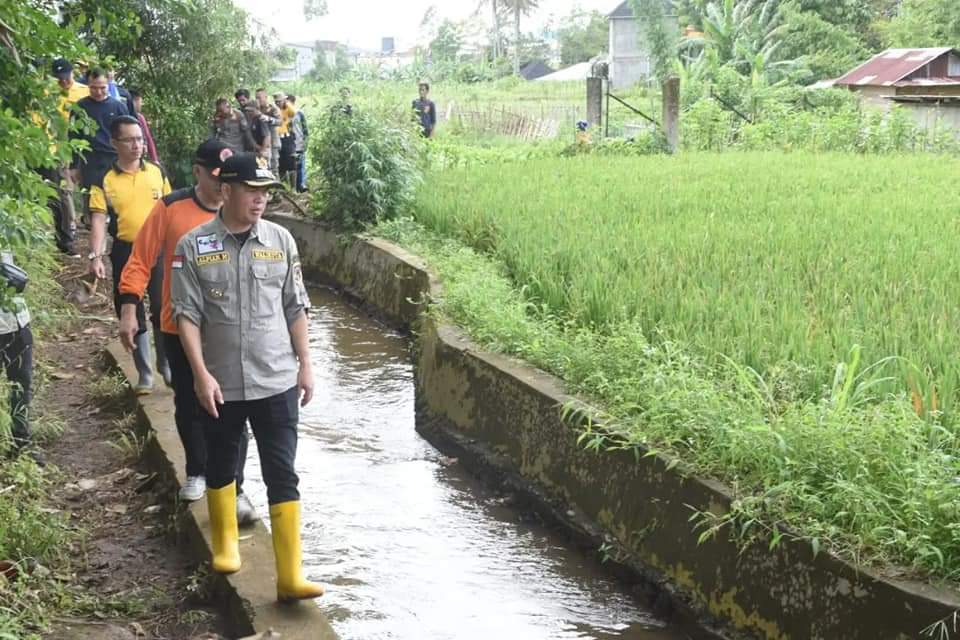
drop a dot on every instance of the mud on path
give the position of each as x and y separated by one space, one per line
146 586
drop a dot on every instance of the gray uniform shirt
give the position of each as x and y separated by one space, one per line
16 316
243 298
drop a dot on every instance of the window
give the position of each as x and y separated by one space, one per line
954 66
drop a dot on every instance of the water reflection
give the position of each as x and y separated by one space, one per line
408 544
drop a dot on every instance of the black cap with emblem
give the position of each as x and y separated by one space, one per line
62 68
211 154
248 168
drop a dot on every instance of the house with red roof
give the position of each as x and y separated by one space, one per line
927 81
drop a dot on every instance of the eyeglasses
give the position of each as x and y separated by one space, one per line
131 140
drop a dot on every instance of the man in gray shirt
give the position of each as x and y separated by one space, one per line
16 358
240 304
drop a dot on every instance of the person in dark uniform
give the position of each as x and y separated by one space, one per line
426 111
240 304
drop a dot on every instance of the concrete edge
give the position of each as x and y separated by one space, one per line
849 594
247 599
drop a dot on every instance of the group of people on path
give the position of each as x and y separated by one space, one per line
277 132
226 297
224 289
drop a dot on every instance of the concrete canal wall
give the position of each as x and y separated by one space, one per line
501 415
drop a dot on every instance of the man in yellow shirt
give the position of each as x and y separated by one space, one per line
64 215
128 192
288 144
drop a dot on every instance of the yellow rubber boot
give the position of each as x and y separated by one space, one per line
285 522
222 505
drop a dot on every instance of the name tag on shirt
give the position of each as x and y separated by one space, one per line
270 255
212 258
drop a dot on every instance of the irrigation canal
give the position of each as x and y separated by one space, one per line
409 545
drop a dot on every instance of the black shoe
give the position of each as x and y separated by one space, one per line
68 250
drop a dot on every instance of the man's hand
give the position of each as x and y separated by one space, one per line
97 268
208 393
128 326
305 384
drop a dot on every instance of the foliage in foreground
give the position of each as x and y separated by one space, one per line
854 470
181 55
31 538
29 120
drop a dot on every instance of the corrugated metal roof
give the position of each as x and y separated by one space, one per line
893 65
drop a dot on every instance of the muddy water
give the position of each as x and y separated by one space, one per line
409 545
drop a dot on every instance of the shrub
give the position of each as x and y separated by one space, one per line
368 165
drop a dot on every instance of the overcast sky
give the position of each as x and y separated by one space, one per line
362 23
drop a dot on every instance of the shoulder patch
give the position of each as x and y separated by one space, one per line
176 262
208 243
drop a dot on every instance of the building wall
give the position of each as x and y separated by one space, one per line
304 60
934 117
875 96
629 57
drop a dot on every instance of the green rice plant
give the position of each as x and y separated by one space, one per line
834 454
772 260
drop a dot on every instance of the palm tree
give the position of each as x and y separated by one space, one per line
495 8
518 8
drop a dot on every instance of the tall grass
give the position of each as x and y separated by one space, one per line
779 262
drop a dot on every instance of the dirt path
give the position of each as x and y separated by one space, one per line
146 586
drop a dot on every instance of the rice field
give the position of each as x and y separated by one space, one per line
778 262
783 323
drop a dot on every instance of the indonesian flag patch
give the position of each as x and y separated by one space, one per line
177 262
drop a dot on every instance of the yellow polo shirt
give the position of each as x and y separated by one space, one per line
71 96
286 117
129 196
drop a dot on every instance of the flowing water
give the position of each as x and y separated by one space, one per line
408 544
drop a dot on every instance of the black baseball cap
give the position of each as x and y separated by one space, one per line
211 154
62 68
248 168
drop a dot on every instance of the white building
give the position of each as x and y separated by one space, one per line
629 59
305 59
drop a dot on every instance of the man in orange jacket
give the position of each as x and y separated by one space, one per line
171 218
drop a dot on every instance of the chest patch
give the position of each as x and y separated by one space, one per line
208 244
212 258
269 255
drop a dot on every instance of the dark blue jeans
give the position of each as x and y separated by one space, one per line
187 414
274 423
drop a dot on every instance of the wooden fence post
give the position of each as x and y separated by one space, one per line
595 104
671 113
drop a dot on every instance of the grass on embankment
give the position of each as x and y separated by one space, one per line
705 303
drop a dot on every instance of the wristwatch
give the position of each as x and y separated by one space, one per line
92 255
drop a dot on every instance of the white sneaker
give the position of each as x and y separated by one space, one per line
246 514
193 489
